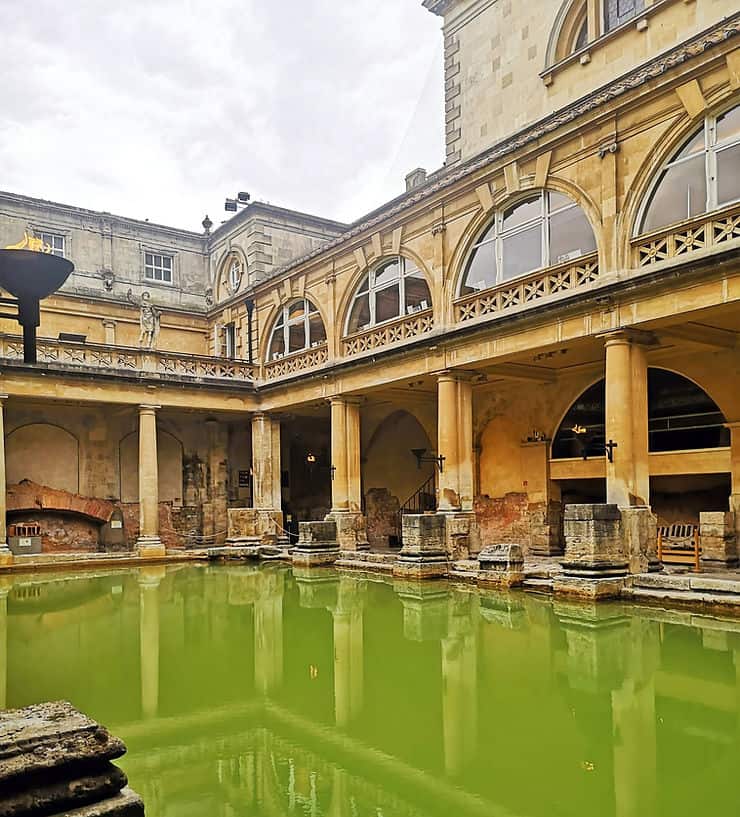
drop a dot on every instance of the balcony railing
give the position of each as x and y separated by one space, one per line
706 231
297 362
552 281
405 328
128 360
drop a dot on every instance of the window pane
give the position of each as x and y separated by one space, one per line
522 252
681 193
556 201
387 304
728 125
297 310
570 235
386 274
360 316
523 212
363 286
728 174
617 12
316 328
489 234
277 346
582 38
296 337
481 272
696 144
417 294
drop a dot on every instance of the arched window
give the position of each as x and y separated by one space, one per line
702 176
232 273
397 287
298 327
540 231
235 274
681 417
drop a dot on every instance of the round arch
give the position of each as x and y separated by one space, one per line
348 294
279 313
681 417
484 219
571 16
676 133
43 453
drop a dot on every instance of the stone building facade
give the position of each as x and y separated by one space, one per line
549 319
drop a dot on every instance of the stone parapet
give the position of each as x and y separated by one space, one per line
718 536
501 565
55 760
424 552
317 544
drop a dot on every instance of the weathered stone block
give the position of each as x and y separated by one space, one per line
317 544
501 565
593 541
718 540
640 534
351 530
254 526
424 554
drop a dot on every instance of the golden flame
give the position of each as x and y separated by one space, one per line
30 242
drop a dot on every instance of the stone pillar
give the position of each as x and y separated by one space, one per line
455 441
149 545
628 476
346 486
262 523
595 562
348 651
424 552
317 544
6 557
149 579
268 632
718 538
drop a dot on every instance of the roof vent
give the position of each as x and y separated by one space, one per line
416 179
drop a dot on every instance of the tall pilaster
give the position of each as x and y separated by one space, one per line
455 441
628 476
149 544
346 491
6 557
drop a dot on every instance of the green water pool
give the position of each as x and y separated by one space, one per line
269 691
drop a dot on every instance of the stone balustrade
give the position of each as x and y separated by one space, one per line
299 362
698 234
387 334
129 360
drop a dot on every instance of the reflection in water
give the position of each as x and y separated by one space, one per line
243 690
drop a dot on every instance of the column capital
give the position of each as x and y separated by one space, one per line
109 322
346 400
454 375
3 398
627 336
148 408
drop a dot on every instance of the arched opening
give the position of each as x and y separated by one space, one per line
394 288
542 230
393 478
298 326
682 419
44 454
169 460
701 176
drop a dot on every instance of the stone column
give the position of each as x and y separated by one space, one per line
348 651
149 579
346 491
149 544
455 441
268 633
628 476
263 522
6 557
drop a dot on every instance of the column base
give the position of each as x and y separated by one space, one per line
150 547
256 526
351 529
317 544
6 556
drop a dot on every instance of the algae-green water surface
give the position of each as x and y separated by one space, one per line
266 691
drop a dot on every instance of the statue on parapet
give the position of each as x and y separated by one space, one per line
149 319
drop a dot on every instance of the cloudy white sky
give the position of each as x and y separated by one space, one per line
160 108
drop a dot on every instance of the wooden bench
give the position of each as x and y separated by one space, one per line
679 544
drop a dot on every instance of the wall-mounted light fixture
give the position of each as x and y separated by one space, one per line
311 458
422 456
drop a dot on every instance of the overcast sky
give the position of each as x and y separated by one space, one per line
159 109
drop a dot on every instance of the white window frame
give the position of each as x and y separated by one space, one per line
153 266
500 235
283 324
230 340
407 270
711 150
45 235
235 279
